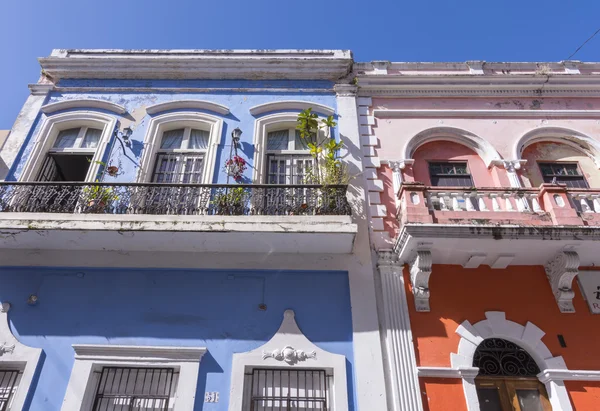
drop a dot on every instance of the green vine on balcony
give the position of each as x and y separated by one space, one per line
317 134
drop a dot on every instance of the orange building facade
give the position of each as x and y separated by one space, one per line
484 203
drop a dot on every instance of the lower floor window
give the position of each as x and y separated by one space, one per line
503 394
273 389
9 382
139 389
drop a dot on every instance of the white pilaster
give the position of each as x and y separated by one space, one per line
368 356
401 367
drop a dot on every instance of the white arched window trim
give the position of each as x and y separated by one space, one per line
172 121
572 138
528 337
262 127
289 349
53 124
457 135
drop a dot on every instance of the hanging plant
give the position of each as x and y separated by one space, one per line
235 167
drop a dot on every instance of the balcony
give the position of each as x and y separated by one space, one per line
176 217
464 222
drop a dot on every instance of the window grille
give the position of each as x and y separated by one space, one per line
135 389
450 175
496 357
9 382
287 390
563 173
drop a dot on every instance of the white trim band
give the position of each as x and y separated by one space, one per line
190 104
291 105
83 103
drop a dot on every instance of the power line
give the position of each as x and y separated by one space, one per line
584 43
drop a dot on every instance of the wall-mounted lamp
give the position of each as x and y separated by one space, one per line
235 136
32 300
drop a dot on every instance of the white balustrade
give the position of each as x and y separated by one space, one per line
589 202
511 201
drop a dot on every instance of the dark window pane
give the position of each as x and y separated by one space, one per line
450 175
489 399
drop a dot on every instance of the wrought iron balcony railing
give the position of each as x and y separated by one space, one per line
173 199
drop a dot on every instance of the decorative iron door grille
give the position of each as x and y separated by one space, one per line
287 390
135 389
9 381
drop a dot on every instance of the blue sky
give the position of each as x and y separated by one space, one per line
396 30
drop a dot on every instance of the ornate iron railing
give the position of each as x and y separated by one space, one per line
173 199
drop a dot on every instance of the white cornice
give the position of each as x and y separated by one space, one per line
188 104
83 103
395 113
40 89
133 352
568 375
291 105
447 372
198 64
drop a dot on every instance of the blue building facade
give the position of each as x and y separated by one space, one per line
157 280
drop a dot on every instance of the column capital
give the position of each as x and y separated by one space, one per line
397 165
510 165
388 258
345 90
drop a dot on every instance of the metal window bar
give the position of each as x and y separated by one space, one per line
563 173
450 175
270 389
135 389
9 382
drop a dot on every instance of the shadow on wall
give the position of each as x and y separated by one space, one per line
208 365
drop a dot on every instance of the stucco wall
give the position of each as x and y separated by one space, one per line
502 132
523 292
238 96
540 152
217 309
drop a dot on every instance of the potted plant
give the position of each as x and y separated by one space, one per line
229 201
97 197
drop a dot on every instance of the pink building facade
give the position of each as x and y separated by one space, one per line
484 200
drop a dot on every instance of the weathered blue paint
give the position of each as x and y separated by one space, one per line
238 95
216 309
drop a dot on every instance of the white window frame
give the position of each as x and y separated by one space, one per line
263 126
14 355
187 132
285 154
289 348
91 358
53 125
173 121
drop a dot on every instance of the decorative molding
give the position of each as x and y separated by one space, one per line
83 104
90 358
188 104
290 355
420 271
436 113
560 272
139 353
291 105
479 91
15 354
447 372
198 64
40 89
568 375
49 130
573 138
486 151
345 90
288 336
159 123
509 165
399 164
528 337
401 364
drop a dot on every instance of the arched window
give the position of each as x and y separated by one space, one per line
507 378
288 157
69 147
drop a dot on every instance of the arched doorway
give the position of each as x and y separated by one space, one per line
507 378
